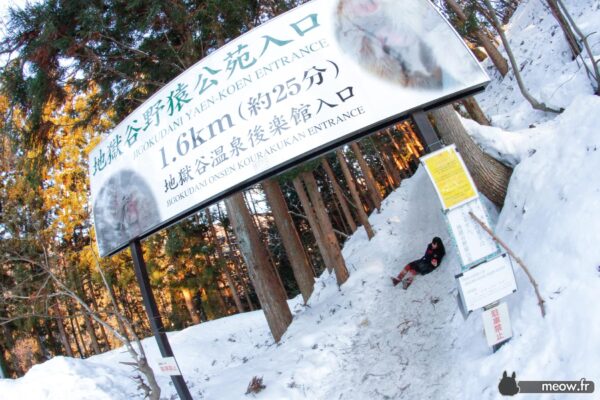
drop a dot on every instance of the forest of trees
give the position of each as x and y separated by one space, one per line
71 71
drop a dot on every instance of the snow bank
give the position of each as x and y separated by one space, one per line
545 62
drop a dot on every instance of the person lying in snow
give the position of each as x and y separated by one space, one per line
430 261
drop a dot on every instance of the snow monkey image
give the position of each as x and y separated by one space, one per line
124 208
393 39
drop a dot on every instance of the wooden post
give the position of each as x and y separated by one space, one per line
225 267
314 225
269 289
339 194
363 218
303 270
368 174
339 266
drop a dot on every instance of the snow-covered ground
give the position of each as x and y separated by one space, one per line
371 340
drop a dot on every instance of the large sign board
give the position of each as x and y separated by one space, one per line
306 81
486 283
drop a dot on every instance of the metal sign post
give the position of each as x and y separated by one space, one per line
426 133
486 275
156 324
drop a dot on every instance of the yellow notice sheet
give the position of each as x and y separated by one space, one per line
450 177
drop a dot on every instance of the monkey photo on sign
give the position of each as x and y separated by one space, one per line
124 208
398 41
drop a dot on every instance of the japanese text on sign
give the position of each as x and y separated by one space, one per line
450 177
285 91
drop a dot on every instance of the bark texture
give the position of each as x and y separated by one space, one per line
303 270
339 265
368 175
267 284
339 194
475 111
314 224
489 174
362 215
225 268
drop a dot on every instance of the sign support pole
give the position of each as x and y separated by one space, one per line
426 133
156 323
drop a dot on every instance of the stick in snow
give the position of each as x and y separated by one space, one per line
519 261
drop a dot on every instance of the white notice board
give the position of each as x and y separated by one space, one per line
487 283
472 241
496 322
168 366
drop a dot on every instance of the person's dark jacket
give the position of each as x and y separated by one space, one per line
424 265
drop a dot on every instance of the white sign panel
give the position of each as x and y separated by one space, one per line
472 241
168 366
305 81
487 283
496 322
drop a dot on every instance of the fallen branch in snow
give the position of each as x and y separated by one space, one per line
517 259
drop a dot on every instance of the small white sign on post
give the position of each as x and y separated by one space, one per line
496 322
168 366
487 283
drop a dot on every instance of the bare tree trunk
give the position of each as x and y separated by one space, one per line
271 293
337 218
393 151
492 51
3 364
112 294
12 362
566 28
403 165
482 39
314 224
339 266
91 333
225 267
263 236
515 67
387 174
360 211
594 72
189 304
235 257
303 270
475 111
74 333
490 175
215 291
413 139
385 154
96 308
368 175
61 329
339 193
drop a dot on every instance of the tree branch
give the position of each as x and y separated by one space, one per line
534 103
541 301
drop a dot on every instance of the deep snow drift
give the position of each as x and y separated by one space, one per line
371 340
